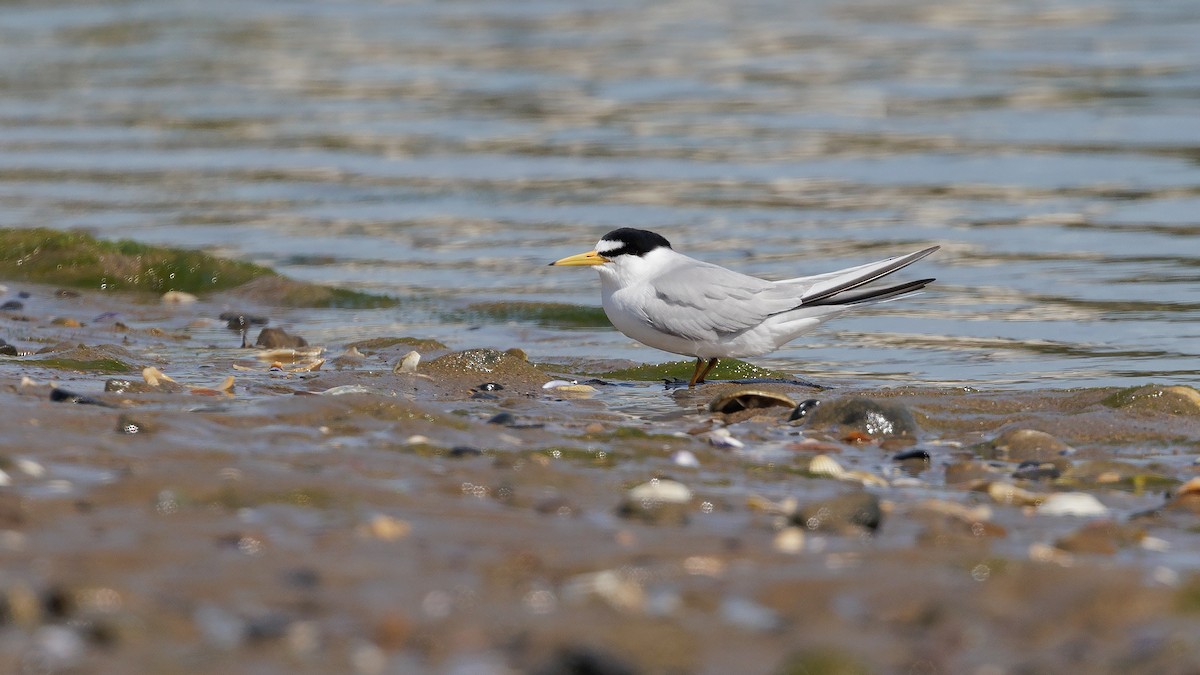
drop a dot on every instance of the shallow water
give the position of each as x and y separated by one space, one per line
446 151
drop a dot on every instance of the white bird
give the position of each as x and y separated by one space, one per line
681 305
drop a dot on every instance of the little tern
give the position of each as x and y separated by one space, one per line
685 306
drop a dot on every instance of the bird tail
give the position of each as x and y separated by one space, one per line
871 295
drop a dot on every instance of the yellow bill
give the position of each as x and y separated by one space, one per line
589 258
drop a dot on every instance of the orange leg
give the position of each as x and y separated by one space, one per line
699 375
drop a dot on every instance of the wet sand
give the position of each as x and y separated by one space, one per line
355 519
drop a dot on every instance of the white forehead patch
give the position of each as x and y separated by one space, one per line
607 246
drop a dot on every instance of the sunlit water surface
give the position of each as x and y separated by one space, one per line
444 152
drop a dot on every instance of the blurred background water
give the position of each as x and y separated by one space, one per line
444 152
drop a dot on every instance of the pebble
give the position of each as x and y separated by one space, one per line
278 338
504 418
7 349
12 306
749 615
1023 445
461 451
129 426
1079 504
658 502
1034 470
847 513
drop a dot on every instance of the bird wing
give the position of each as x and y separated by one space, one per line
696 300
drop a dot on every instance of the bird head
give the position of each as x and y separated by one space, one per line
621 252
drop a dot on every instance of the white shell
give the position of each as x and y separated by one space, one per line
824 465
661 490
721 438
1072 504
685 458
408 364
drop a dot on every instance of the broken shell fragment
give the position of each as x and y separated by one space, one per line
407 363
747 399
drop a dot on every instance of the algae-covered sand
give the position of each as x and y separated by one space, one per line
331 512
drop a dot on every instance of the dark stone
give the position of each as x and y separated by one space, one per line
305 578
490 386
66 293
503 418
484 396
277 338
460 451
912 455
869 416
129 426
63 396
12 306
802 409
1034 470
24 295
7 349
577 660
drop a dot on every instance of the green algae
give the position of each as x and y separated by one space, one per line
548 314
727 369
79 260
85 365
1153 398
378 344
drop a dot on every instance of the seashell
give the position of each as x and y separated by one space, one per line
407 363
290 355
789 540
749 398
346 389
662 490
153 376
555 384
685 458
576 389
824 465
178 298
1007 493
1079 504
866 478
721 438
309 367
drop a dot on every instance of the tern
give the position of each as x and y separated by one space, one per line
670 301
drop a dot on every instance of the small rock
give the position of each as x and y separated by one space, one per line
65 322
7 349
789 540
12 306
351 358
1102 537
749 615
277 338
60 293
1022 445
847 513
580 659
1035 470
490 386
461 451
503 419
872 417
